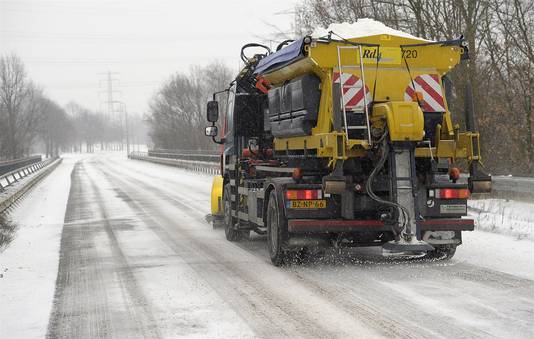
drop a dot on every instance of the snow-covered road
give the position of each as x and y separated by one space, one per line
137 259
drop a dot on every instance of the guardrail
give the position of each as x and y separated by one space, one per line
206 156
513 188
11 165
41 169
182 151
193 162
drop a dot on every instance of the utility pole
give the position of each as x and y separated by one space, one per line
110 93
110 102
123 109
127 132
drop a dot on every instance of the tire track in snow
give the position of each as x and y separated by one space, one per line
83 306
385 326
78 273
408 318
266 314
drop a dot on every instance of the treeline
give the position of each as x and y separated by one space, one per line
500 35
89 128
31 122
177 110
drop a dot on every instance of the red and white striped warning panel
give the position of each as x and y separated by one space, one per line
353 91
428 85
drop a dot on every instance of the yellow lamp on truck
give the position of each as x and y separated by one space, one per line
216 195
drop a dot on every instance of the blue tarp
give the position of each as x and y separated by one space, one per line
285 55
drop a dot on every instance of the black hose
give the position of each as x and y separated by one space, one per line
369 188
253 44
283 43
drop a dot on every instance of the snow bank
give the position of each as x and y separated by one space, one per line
497 252
28 266
361 28
503 216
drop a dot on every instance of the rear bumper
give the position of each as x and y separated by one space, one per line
447 225
344 226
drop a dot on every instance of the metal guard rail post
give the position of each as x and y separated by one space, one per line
515 188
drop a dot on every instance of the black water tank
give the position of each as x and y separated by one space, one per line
294 106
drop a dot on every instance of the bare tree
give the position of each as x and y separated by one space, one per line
177 110
28 117
13 93
513 37
56 127
500 35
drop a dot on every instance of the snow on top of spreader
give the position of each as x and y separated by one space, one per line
361 28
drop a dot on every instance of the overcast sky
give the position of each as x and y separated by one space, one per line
66 45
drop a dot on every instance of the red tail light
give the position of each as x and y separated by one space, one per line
452 193
304 194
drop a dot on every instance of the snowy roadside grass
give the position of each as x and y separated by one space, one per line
29 263
508 217
7 232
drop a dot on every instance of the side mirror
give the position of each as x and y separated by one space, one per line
211 131
213 111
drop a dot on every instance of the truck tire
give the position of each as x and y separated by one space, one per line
276 231
230 232
442 252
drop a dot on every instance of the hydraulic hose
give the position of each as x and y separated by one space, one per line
369 188
283 43
253 44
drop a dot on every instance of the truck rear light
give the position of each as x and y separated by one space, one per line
304 194
451 193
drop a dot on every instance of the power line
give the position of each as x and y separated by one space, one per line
75 61
129 84
84 36
90 8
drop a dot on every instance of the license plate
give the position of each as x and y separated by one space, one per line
306 204
453 209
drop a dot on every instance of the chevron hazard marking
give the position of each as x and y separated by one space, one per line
353 91
428 85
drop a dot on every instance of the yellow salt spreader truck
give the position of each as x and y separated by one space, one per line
340 141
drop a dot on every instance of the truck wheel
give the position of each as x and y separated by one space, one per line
276 231
231 233
442 252
244 235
